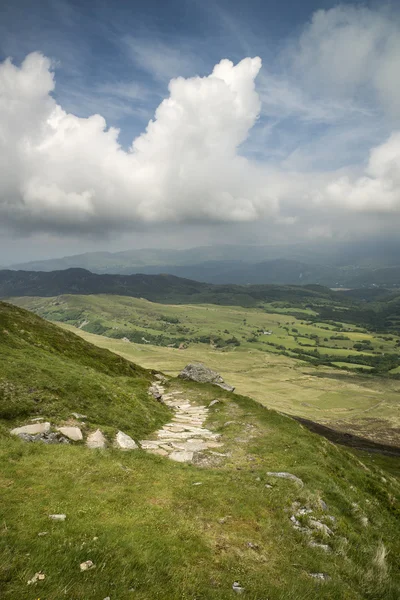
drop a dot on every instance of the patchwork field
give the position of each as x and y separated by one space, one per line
254 350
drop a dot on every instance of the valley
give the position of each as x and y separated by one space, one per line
337 374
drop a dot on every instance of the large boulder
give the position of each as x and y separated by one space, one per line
202 374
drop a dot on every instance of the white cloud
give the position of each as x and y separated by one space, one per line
58 171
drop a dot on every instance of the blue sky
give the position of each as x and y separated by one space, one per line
326 89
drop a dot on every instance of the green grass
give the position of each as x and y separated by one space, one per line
147 528
48 372
152 533
364 405
351 366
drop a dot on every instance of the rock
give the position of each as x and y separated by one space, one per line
213 403
160 377
124 442
181 456
320 576
159 451
96 440
323 547
46 438
43 533
320 527
155 391
78 415
198 483
202 374
60 517
72 433
323 505
36 428
37 577
269 487
253 546
87 565
284 475
237 587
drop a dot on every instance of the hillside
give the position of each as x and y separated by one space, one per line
50 373
155 528
157 288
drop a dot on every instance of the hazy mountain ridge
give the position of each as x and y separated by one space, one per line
330 263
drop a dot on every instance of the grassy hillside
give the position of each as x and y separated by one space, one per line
158 529
327 388
50 373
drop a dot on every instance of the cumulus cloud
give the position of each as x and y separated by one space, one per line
60 171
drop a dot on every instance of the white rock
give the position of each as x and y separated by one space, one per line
181 456
124 442
58 517
32 429
72 433
87 565
96 440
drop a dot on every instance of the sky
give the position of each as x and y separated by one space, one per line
137 123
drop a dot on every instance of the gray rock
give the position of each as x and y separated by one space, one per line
124 442
283 475
323 547
181 456
32 429
202 374
87 565
96 440
323 505
45 438
214 402
72 433
78 415
60 517
320 576
237 587
320 527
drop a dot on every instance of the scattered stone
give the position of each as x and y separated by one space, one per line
323 547
125 442
320 527
198 483
36 428
155 391
253 546
202 374
78 415
37 577
320 576
46 438
96 440
160 377
237 587
213 403
72 433
58 517
269 487
42 533
87 565
181 456
323 505
284 475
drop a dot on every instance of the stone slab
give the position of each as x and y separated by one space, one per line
72 433
32 429
125 442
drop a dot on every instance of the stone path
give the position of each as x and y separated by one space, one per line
184 436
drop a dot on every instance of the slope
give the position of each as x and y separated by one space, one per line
158 529
50 373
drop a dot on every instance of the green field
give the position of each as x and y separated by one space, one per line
347 400
156 529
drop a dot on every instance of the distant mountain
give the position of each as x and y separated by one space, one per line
331 264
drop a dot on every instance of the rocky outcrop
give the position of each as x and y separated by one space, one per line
202 374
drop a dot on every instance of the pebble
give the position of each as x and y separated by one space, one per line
87 565
58 517
237 587
37 577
